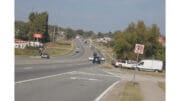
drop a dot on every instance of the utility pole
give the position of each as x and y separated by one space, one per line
53 35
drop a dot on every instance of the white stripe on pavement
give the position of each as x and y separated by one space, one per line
110 73
78 78
97 74
45 77
108 89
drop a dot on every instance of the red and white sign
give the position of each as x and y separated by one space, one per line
37 35
139 49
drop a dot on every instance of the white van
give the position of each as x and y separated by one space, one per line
150 65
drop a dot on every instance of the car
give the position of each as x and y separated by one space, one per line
150 65
124 63
90 58
113 62
77 50
45 55
102 59
97 60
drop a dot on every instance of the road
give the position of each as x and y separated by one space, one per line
68 78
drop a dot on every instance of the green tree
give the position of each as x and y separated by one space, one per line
21 30
124 42
80 32
38 23
70 34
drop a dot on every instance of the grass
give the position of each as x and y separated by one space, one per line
59 48
26 52
162 85
62 47
132 92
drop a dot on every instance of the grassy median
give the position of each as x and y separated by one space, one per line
131 92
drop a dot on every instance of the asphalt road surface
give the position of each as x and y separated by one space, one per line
68 78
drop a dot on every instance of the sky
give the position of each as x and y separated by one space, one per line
95 15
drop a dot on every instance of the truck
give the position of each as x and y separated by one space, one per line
150 65
124 63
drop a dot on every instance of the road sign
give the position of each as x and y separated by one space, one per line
139 49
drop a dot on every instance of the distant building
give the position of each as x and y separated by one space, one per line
104 39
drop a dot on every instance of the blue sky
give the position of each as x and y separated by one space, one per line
96 15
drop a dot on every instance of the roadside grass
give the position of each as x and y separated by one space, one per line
59 48
132 92
26 52
162 85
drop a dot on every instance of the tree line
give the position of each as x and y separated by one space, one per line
124 42
38 23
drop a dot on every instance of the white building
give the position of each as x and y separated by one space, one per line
104 40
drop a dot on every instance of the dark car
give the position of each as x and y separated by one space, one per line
97 60
45 55
77 50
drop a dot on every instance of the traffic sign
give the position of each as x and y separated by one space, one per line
139 49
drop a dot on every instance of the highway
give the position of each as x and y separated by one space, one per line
66 78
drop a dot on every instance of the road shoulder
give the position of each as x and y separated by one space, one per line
150 90
115 93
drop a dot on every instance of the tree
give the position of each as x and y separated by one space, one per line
21 30
99 35
70 33
124 42
38 23
80 32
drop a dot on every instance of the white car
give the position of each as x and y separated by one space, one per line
150 65
125 63
90 58
102 59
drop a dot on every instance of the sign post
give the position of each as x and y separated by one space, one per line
139 49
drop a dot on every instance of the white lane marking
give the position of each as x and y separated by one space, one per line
96 74
28 68
111 73
40 78
78 78
73 72
108 89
